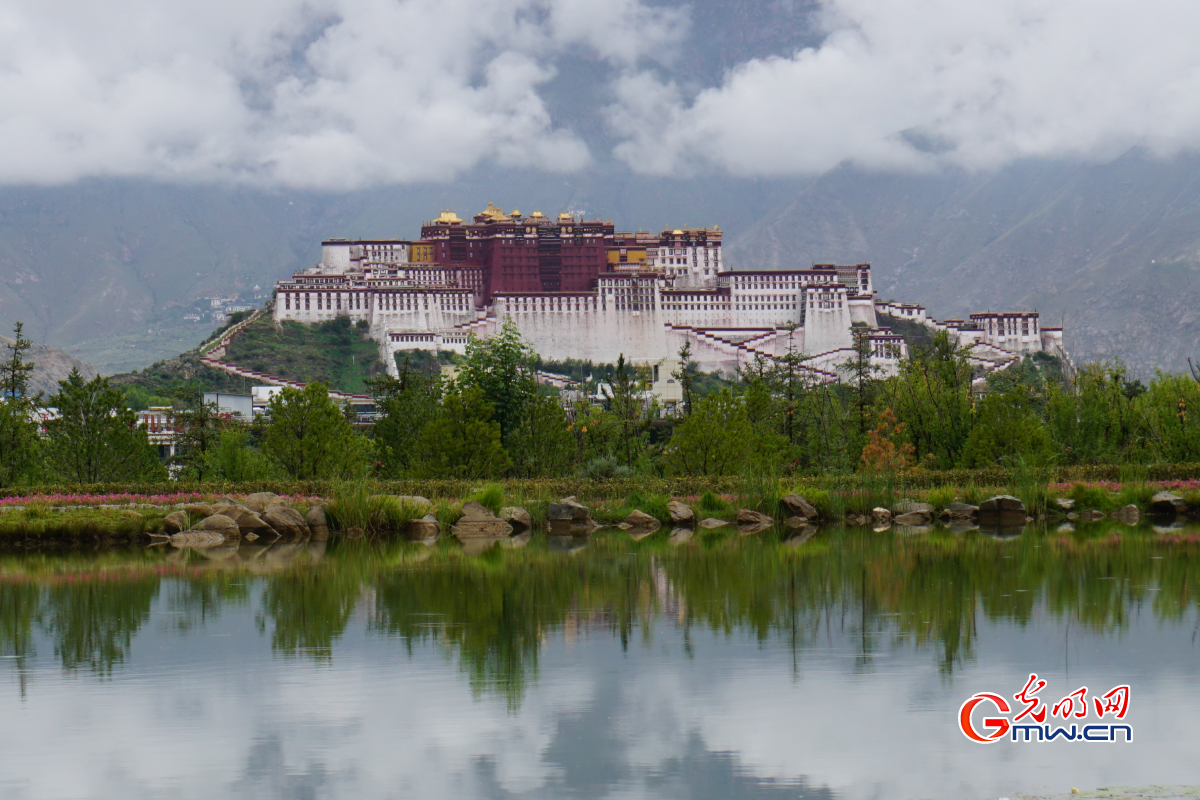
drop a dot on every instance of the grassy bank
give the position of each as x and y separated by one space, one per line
1180 476
382 508
39 522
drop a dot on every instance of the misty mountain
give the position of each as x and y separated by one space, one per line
50 365
124 271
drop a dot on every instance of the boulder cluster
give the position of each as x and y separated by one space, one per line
259 515
682 519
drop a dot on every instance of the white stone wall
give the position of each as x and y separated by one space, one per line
335 256
827 319
862 309
587 332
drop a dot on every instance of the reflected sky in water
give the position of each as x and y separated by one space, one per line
722 667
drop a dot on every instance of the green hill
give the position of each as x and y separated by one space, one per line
337 353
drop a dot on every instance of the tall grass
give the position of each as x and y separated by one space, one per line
712 505
875 490
941 497
972 493
1134 487
447 512
1029 485
759 487
830 505
653 504
490 496
356 504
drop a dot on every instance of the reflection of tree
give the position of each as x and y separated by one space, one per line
198 601
18 609
93 620
310 607
496 610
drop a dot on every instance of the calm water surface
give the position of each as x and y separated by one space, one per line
714 666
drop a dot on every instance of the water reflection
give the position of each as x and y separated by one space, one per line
493 601
509 614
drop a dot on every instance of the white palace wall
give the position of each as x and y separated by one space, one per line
646 316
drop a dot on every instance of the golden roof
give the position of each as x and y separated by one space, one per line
447 215
564 217
516 213
493 213
677 232
537 215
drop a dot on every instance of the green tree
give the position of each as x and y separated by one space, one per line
199 427
1007 427
16 371
767 410
18 431
595 431
542 445
462 441
1093 420
234 459
95 437
686 375
1168 419
714 440
626 396
862 373
406 405
932 397
309 437
501 367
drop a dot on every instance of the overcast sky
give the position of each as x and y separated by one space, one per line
339 94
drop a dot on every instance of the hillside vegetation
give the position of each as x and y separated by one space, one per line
172 379
337 353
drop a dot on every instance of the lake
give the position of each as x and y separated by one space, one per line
826 665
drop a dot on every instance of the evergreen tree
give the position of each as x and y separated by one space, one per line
1093 421
625 395
232 458
1168 420
862 373
18 431
95 438
198 429
1007 428
932 396
685 375
16 371
309 437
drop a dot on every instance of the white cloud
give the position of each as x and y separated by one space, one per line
981 84
324 93
338 94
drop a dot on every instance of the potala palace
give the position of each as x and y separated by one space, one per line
580 289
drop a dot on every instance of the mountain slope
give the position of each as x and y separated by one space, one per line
1111 250
50 365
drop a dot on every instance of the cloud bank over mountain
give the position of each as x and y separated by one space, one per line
331 94
897 85
336 95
